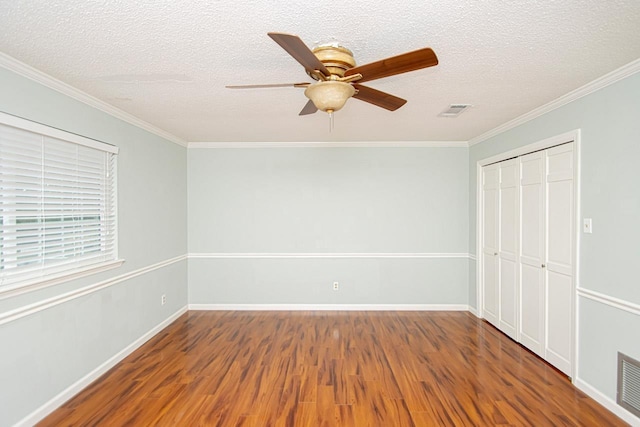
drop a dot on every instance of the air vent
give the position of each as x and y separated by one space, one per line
629 384
454 110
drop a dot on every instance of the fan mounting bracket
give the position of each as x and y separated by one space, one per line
336 59
319 76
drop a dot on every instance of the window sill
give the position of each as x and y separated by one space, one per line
55 279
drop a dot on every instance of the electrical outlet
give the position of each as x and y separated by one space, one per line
336 286
163 299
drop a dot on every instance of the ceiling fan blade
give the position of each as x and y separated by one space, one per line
379 98
267 85
404 63
300 52
309 108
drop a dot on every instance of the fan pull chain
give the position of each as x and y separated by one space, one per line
330 120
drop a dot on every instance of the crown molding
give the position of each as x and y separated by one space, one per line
599 83
24 70
332 144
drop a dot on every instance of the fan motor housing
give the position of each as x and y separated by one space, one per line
337 59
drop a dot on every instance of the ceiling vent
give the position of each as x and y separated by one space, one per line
454 110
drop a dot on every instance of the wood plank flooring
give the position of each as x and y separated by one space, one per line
331 369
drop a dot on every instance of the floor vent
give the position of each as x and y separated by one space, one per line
629 384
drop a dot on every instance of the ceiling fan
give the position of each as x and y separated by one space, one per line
337 78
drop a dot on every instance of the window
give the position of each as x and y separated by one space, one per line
57 204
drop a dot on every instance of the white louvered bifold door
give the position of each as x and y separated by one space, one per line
508 250
490 213
528 235
532 244
560 287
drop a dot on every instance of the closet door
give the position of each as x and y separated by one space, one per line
532 243
508 246
490 300
559 256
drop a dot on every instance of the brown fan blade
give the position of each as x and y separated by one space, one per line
300 52
404 63
309 108
267 85
379 98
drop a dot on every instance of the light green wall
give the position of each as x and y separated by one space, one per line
605 330
309 281
610 195
46 352
328 200
301 200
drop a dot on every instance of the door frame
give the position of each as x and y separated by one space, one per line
571 136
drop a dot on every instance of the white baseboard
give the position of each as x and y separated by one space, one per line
330 307
473 311
325 255
607 402
83 382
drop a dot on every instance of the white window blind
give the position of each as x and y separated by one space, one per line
57 204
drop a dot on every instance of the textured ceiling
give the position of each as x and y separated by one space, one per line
167 62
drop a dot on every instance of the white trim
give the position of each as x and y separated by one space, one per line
83 382
576 244
473 257
607 402
44 79
311 144
330 307
51 280
599 83
479 240
563 138
10 316
618 303
41 129
326 255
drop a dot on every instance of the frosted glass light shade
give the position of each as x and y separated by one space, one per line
329 96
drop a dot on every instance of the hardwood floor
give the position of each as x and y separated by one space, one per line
331 369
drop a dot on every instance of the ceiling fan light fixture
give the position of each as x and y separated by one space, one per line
338 78
329 96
